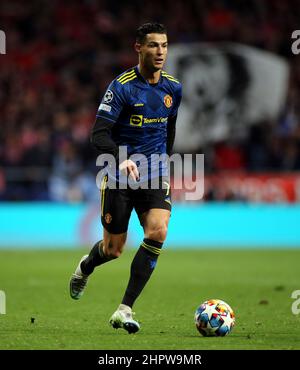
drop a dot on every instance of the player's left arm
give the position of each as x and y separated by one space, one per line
171 129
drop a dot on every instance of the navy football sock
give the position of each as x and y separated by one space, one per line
95 258
142 267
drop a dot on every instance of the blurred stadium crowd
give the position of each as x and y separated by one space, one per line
62 54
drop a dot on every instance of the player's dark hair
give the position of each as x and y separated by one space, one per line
147 28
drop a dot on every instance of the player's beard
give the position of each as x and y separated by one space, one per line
155 68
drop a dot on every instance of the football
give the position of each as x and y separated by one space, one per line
214 318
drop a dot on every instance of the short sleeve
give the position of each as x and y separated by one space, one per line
112 102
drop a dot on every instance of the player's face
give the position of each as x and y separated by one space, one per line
153 52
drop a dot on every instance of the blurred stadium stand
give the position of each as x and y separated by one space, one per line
60 58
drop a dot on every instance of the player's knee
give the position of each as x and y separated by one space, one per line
113 254
158 232
114 249
114 245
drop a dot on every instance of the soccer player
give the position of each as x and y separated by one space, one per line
138 112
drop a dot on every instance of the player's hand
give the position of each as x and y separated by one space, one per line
129 168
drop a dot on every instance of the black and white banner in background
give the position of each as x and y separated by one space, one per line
226 88
112 359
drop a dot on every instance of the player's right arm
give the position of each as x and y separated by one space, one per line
101 137
108 112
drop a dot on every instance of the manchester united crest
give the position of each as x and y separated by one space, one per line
168 101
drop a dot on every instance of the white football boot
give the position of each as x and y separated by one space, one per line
78 281
122 318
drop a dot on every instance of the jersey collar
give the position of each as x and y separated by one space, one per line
143 79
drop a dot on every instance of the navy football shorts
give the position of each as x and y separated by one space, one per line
117 204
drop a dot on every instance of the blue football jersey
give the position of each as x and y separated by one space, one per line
140 113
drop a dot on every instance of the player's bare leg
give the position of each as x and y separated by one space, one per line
155 223
103 251
113 244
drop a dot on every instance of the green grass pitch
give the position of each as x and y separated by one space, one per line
257 284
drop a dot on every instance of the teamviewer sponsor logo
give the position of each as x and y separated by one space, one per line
136 120
2 303
2 42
